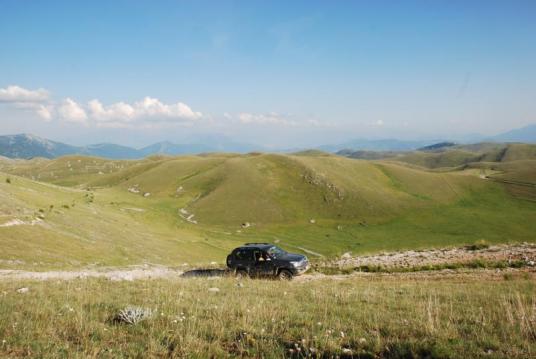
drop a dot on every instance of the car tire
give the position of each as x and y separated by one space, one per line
284 274
241 274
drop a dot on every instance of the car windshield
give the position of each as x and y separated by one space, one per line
276 252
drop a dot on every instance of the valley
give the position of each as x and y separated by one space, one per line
78 212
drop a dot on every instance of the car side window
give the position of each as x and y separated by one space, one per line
260 256
244 255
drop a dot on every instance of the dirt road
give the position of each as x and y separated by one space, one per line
526 253
128 274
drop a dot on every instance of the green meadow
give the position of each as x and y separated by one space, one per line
81 211
476 315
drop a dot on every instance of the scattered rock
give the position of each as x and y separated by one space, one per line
189 217
246 225
214 290
312 221
18 222
146 194
23 290
511 253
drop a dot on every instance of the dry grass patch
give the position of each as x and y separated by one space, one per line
386 316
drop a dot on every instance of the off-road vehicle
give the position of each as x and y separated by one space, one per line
266 260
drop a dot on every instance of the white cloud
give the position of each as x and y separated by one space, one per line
17 94
44 111
117 112
152 107
265 119
143 113
275 119
379 123
149 112
71 111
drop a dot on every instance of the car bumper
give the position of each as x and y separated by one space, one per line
301 269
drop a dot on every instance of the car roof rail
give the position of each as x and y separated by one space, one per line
255 243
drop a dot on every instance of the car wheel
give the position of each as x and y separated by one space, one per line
285 274
241 274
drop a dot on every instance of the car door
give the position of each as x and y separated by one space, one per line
263 264
244 260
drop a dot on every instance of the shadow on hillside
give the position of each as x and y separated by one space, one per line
205 273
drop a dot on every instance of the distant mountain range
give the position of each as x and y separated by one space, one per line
525 134
30 146
378 145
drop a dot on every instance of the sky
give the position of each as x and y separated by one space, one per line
273 73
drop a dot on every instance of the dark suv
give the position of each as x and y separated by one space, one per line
266 260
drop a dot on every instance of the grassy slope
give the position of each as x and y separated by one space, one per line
464 316
109 230
357 206
465 154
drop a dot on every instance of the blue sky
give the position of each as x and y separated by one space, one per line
289 73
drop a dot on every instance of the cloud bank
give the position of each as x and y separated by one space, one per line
144 113
149 112
150 109
17 94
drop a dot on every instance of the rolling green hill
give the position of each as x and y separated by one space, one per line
454 156
81 211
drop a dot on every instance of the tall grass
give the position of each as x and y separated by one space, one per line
387 316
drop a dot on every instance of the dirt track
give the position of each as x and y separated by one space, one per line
519 252
129 274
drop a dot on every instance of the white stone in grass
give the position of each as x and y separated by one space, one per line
214 290
23 290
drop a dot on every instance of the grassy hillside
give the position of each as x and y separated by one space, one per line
171 210
479 315
453 156
465 154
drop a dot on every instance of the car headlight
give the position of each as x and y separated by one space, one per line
296 263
